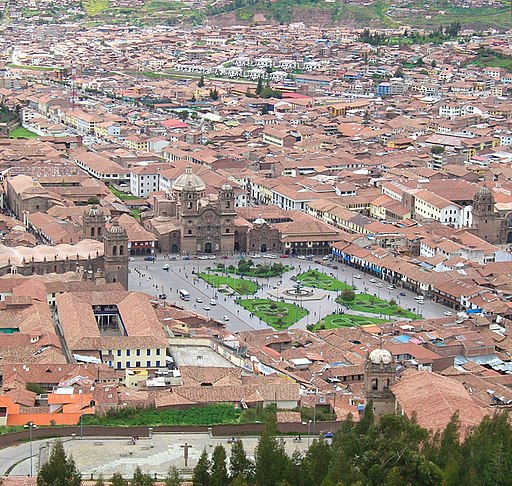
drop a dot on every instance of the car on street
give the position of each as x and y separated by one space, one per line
357 276
162 296
301 257
213 302
199 300
256 255
419 297
225 318
186 257
166 267
149 259
132 259
224 257
206 307
372 280
212 257
391 287
203 257
284 256
402 294
448 313
378 285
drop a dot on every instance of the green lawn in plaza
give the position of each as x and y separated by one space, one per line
239 285
21 132
374 305
319 280
279 315
333 321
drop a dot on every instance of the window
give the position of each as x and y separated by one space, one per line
127 364
148 352
127 352
118 366
114 250
227 230
158 352
137 364
121 250
138 352
189 232
148 363
92 232
118 352
157 363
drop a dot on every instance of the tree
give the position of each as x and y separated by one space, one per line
93 200
100 481
259 86
214 94
348 295
271 459
239 465
219 472
118 480
173 477
201 475
59 470
200 83
141 479
437 150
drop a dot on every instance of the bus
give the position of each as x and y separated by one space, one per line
184 294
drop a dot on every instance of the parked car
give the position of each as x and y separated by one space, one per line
199 300
224 257
186 257
225 318
206 307
402 294
149 259
448 313
301 257
391 287
378 285
166 267
284 255
357 276
213 302
372 280
162 296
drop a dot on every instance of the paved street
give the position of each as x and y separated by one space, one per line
151 278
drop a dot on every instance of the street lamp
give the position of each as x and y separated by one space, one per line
309 430
30 426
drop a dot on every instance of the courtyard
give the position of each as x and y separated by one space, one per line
319 280
374 305
239 285
334 321
279 315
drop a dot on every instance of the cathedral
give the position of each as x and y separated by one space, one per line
188 221
491 222
102 255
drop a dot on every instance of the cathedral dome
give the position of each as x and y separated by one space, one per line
380 356
189 181
226 187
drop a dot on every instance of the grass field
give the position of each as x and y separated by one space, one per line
279 315
318 280
374 305
95 7
241 286
334 321
21 132
208 415
121 195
